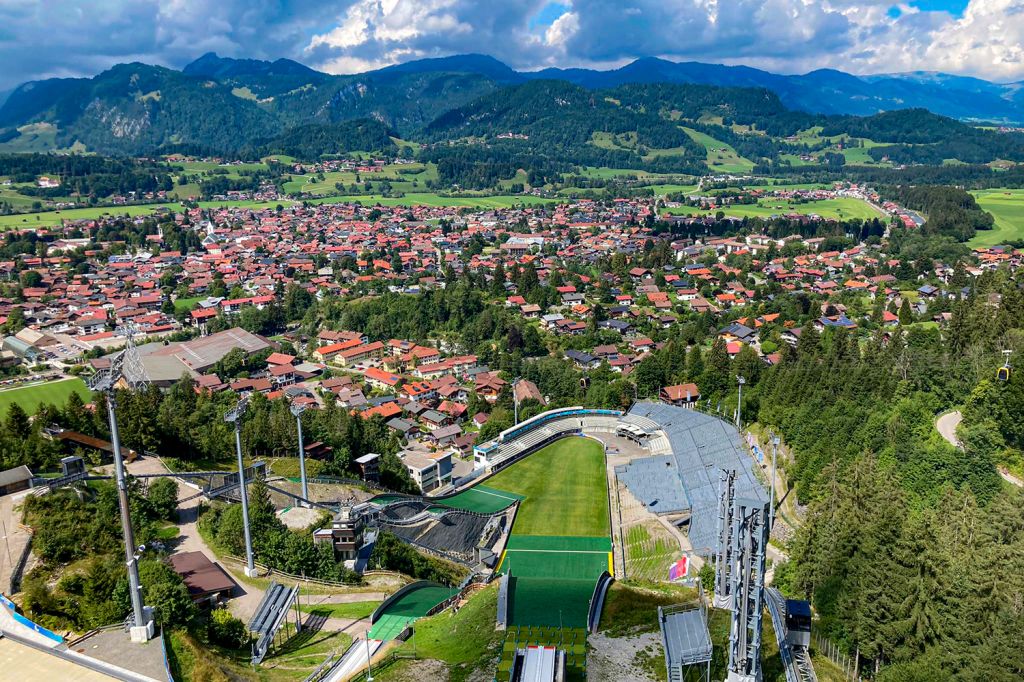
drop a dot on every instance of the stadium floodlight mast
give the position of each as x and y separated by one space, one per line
771 509
234 416
126 366
297 409
739 403
369 670
515 398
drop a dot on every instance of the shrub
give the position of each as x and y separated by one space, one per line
227 631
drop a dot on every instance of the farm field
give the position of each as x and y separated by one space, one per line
401 177
720 156
843 208
31 396
1007 207
45 218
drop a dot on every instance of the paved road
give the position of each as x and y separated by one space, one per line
947 423
15 538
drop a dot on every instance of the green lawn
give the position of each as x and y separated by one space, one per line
564 486
353 610
187 303
720 156
32 395
1007 207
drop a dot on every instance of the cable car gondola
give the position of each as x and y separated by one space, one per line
1003 373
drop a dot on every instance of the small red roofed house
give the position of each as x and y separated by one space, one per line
683 395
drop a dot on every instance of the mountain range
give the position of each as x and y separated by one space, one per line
825 91
223 103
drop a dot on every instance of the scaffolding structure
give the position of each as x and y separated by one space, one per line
724 551
750 529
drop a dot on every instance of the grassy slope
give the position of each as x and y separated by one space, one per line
354 610
466 641
1007 207
574 503
724 158
292 661
30 396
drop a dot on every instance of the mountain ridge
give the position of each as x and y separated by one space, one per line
227 104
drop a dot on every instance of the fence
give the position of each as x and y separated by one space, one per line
268 571
847 664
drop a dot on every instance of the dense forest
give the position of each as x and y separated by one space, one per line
88 176
951 211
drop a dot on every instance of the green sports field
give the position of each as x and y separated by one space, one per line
564 486
560 541
1007 207
31 396
408 608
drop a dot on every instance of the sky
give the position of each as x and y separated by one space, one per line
984 38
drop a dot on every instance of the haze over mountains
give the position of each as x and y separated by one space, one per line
136 107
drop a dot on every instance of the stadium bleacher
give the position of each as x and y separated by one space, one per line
699 447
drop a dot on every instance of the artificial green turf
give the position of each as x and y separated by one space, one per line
559 544
481 499
50 392
600 545
564 487
406 609
549 602
466 640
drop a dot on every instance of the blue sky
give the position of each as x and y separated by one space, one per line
40 39
955 7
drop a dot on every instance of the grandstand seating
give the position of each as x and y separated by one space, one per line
542 429
699 446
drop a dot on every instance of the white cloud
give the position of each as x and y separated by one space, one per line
562 30
43 38
988 39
